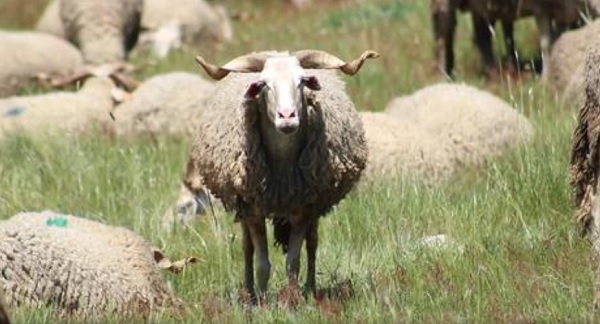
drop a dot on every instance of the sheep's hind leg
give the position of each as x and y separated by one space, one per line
312 241
258 234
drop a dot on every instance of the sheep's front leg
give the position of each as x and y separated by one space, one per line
483 39
299 227
509 41
256 228
312 241
444 26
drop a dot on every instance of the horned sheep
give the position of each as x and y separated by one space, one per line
27 55
105 31
81 267
280 140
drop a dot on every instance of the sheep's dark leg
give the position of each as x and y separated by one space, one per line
444 25
297 236
483 39
258 233
248 248
312 241
509 42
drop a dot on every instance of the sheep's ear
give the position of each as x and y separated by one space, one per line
254 90
311 82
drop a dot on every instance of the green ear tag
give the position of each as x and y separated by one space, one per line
58 221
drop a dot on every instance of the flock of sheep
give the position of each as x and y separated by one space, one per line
289 144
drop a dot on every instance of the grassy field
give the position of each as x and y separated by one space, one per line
520 260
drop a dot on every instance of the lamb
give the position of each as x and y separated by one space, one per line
167 104
82 268
583 169
27 55
271 145
60 111
105 31
195 21
436 132
565 73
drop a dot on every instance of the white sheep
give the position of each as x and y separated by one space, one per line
70 112
441 129
281 140
81 267
27 55
49 22
167 104
105 31
194 21
565 65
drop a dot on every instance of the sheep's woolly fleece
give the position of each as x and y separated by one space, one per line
565 67
81 267
50 21
584 163
447 127
230 158
58 112
199 21
25 55
167 104
105 31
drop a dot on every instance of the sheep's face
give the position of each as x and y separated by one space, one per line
281 90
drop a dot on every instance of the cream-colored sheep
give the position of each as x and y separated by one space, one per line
196 20
26 55
565 66
50 21
478 124
59 111
168 104
441 129
81 267
398 148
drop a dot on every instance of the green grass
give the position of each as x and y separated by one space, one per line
521 260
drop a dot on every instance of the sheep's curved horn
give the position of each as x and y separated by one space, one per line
248 63
314 59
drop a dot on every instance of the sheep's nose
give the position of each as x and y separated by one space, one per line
286 113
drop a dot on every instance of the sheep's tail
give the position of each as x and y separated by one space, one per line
281 232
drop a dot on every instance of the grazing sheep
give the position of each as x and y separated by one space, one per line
59 111
484 13
271 145
105 31
167 104
81 267
195 21
583 170
26 55
565 72
439 130
553 17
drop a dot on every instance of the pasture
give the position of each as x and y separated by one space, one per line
517 256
